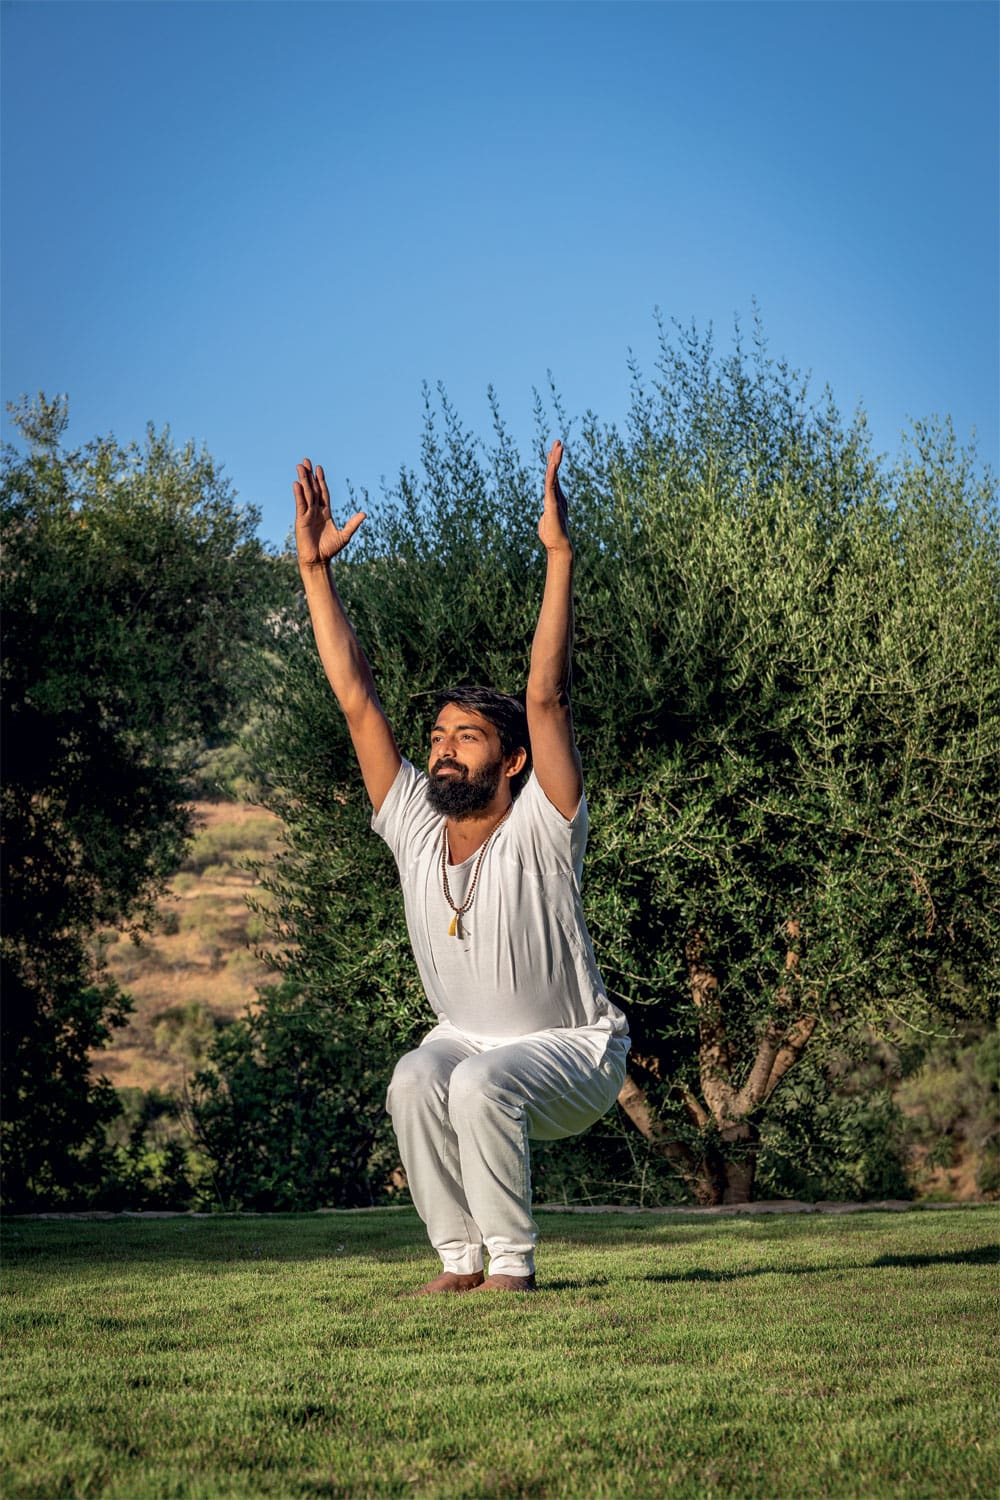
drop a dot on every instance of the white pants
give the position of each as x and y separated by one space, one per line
463 1109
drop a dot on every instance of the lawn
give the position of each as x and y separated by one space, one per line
692 1356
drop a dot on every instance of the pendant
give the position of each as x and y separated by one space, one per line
455 930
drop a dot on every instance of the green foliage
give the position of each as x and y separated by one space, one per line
787 697
216 846
187 1031
284 1113
225 771
135 600
610 1164
791 711
834 1138
148 1163
953 1099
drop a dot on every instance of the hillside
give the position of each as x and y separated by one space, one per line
200 967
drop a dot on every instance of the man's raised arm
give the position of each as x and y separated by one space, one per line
555 757
317 542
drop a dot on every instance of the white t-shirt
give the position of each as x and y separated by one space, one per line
524 962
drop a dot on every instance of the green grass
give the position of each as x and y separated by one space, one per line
681 1356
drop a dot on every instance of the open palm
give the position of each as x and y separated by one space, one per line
317 537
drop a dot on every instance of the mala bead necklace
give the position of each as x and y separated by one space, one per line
455 926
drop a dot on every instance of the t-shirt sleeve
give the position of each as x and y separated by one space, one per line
405 813
547 838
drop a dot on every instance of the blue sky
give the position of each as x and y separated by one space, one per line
267 224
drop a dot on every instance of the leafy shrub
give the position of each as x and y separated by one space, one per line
227 846
609 1163
150 1161
224 773
186 1031
284 1110
834 1139
952 1104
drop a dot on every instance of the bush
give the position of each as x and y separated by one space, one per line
149 1161
284 1110
834 1138
952 1106
186 1031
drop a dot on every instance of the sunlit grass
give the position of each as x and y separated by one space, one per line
688 1356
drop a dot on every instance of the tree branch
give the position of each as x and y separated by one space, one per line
793 1048
714 1062
755 1088
758 1085
633 1101
695 1108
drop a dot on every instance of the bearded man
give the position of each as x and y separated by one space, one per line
489 844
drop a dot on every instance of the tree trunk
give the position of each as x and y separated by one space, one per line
725 1169
739 1163
695 1173
712 1177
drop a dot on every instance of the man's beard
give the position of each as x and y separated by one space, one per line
461 795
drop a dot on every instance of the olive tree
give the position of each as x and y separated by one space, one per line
801 694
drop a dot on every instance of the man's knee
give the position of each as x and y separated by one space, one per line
418 1078
477 1084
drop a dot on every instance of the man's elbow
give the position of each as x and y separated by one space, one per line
360 708
541 698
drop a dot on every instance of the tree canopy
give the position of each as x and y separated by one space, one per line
136 600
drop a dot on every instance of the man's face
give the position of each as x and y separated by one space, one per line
465 764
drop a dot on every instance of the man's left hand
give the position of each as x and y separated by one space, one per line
553 528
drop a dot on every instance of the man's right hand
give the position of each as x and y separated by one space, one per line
317 538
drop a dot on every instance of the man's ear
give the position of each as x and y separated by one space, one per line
516 761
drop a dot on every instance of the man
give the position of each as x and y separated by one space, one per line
489 845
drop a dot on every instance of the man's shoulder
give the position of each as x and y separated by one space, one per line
405 814
543 836
536 805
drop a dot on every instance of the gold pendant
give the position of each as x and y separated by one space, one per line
455 930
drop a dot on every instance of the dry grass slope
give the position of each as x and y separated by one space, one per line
200 967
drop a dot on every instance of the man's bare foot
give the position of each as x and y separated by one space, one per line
500 1283
449 1281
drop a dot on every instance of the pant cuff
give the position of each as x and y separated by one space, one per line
464 1260
511 1264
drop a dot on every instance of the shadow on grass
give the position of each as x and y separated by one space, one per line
398 1239
980 1255
49 1244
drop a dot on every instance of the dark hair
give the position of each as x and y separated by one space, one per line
506 714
